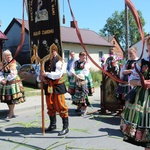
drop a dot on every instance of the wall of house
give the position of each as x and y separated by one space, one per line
24 56
93 51
117 48
13 41
139 47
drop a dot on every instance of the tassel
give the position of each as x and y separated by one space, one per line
64 20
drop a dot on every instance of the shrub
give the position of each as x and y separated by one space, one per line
97 77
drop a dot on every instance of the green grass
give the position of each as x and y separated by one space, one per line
31 91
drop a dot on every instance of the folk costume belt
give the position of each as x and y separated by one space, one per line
53 83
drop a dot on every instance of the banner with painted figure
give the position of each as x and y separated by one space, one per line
44 27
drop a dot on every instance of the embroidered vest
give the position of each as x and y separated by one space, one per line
52 64
145 69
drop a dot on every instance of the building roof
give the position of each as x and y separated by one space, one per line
69 35
19 22
108 38
3 36
88 36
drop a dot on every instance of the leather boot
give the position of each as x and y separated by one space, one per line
65 129
52 125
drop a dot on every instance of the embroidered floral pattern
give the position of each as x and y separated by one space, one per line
145 70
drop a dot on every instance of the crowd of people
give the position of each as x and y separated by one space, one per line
135 122
134 96
135 117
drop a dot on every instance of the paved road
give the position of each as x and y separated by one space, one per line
91 132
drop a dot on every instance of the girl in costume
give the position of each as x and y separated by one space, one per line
80 97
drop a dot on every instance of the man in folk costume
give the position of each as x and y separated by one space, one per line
55 90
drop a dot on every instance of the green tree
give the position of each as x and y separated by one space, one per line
115 25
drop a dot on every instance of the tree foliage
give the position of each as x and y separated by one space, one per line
116 25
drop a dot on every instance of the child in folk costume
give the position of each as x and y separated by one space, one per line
80 97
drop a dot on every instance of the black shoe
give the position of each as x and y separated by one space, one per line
65 129
52 125
63 132
50 128
77 110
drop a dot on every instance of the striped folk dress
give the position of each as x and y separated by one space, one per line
135 123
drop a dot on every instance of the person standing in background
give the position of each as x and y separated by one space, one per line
70 64
125 73
81 66
111 64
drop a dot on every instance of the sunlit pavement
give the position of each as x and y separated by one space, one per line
90 132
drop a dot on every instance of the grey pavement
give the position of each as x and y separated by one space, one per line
91 132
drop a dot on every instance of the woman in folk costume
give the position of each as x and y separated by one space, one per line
135 124
80 97
81 66
11 88
125 73
55 90
111 64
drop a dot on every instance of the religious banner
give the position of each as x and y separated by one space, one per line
44 27
44 30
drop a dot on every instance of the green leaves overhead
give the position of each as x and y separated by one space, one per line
116 25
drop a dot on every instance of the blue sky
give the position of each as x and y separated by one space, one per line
90 14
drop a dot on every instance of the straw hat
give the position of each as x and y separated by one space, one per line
81 76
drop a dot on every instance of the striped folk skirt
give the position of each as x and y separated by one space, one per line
135 123
89 83
12 93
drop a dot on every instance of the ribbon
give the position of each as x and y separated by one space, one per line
81 41
21 40
22 34
138 22
139 25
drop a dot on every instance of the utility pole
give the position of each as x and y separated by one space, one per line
0 44
126 31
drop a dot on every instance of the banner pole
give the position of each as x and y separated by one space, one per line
42 103
44 31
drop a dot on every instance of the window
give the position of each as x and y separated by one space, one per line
100 55
66 55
